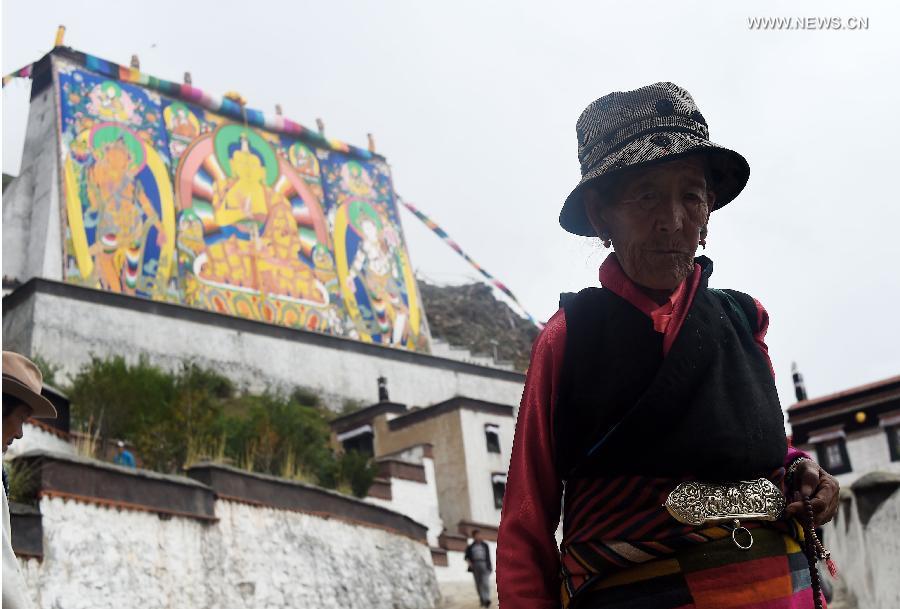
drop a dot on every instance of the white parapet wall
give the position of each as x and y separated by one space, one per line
100 557
418 500
38 438
864 539
67 324
456 569
209 551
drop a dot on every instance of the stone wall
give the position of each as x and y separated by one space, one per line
37 438
868 451
864 539
411 495
320 550
67 324
32 232
482 464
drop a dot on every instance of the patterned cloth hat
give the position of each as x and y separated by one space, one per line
652 124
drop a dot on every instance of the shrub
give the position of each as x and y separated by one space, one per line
174 419
22 478
358 471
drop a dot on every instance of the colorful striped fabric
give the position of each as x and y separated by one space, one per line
618 525
440 232
213 103
20 73
773 574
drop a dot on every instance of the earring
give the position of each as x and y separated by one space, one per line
703 243
607 243
703 232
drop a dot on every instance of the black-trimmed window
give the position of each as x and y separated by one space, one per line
492 437
498 482
893 436
364 444
360 440
832 455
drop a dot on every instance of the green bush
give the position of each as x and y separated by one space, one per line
48 370
23 480
358 471
131 402
177 418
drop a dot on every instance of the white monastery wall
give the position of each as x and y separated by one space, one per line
32 241
417 500
253 557
35 438
868 451
68 331
865 543
481 464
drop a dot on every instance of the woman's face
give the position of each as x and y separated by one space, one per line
654 218
14 417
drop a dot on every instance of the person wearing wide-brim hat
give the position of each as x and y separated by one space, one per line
22 399
649 396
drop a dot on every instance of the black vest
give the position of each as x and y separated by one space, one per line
709 409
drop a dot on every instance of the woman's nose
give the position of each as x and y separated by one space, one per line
669 214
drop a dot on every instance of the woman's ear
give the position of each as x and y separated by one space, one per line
593 208
710 203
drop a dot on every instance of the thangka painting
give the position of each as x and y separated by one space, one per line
169 201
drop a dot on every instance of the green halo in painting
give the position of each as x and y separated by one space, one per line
358 209
106 85
107 133
230 134
354 169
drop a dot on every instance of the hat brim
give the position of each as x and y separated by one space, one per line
41 408
730 172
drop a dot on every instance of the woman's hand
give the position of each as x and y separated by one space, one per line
822 488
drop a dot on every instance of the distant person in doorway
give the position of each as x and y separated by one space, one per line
22 382
479 558
123 456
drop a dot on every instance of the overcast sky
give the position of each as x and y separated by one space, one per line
474 105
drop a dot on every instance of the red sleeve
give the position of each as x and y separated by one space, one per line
762 322
527 555
793 454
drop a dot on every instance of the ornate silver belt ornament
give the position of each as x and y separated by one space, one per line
700 503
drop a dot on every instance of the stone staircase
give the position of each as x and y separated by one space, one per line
441 348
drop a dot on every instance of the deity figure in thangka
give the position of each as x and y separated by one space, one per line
108 102
256 243
123 212
183 127
377 266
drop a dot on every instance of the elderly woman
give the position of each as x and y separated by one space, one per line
650 411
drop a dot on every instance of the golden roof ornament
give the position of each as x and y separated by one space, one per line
236 98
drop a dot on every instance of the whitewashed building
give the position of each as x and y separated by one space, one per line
456 451
852 432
